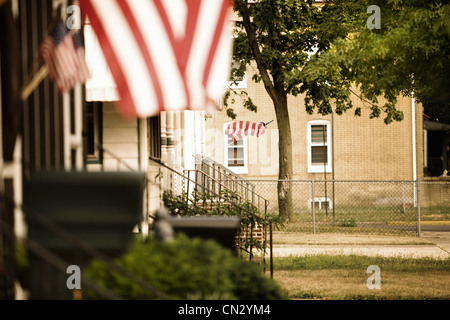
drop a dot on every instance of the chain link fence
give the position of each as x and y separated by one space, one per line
434 201
379 207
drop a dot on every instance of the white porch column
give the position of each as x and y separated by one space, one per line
163 138
194 136
199 131
73 141
177 151
143 144
178 137
188 145
171 177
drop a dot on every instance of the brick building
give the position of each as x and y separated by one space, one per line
342 147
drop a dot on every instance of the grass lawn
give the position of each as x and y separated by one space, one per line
390 220
345 277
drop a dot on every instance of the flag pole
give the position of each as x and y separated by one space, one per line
37 78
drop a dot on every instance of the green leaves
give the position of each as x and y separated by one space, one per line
292 35
285 34
409 53
324 51
226 204
186 268
230 97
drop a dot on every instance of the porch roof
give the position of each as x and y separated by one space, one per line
435 126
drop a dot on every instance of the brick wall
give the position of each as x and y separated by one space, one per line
364 149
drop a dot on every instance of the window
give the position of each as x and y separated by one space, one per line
235 154
94 131
319 154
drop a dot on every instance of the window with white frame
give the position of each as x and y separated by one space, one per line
235 154
319 146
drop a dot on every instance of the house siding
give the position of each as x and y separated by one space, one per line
120 139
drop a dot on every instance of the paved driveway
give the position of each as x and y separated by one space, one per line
431 244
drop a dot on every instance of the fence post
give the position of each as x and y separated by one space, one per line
251 241
271 249
187 189
313 207
253 195
418 207
403 197
334 202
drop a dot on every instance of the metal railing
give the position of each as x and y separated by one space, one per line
118 160
215 172
208 184
61 264
218 193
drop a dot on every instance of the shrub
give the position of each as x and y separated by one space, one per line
349 223
185 268
226 204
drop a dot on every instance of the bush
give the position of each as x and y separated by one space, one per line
185 269
349 223
226 204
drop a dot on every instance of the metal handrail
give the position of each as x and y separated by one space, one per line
83 246
222 185
243 183
115 157
212 179
201 158
196 183
57 262
158 161
212 164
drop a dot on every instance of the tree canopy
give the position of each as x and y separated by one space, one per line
283 37
328 53
408 54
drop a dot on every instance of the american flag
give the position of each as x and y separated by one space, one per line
164 54
63 54
240 129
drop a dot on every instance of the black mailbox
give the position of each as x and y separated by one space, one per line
98 208
221 229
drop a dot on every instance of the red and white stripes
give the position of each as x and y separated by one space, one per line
240 129
164 54
65 62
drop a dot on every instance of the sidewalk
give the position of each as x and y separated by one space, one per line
430 245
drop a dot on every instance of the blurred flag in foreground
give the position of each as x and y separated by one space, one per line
164 54
63 54
240 129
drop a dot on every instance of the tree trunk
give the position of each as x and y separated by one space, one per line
278 95
285 172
